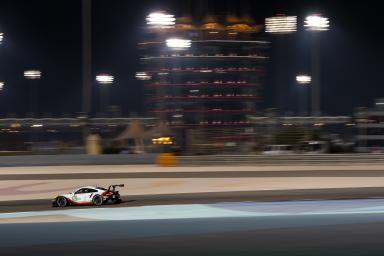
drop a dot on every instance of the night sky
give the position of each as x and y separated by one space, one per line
46 35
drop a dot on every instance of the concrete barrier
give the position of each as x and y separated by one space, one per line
292 159
52 160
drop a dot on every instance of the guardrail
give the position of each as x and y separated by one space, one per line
296 159
234 160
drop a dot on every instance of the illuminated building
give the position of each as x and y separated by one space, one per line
203 79
370 128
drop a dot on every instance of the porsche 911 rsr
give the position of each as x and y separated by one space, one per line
89 195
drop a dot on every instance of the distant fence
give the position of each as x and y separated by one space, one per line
294 159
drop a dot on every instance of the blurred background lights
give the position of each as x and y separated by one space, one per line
178 43
303 79
142 76
160 20
162 141
281 24
1 38
316 22
32 74
104 79
1 86
36 125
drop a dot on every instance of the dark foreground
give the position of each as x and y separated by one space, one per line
346 239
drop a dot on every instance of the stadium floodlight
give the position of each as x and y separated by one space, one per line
281 24
1 38
316 22
104 79
142 76
32 74
303 79
160 20
178 43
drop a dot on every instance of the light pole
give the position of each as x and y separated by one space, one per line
316 23
33 75
303 81
86 18
159 22
174 45
280 26
104 81
1 41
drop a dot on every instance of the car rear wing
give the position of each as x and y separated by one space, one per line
112 188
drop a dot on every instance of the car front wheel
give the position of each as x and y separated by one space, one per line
61 201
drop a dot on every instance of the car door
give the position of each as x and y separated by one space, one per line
79 195
89 194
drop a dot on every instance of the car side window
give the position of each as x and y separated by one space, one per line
91 190
81 191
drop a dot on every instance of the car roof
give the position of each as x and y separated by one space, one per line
92 187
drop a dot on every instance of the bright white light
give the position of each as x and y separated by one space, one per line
160 20
178 43
32 74
36 125
281 24
142 76
303 79
1 86
104 79
316 23
1 37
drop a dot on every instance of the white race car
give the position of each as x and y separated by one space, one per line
89 195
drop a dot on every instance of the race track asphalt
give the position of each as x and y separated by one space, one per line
326 227
212 197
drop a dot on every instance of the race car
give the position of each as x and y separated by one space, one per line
89 195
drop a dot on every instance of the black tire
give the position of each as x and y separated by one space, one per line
97 200
61 201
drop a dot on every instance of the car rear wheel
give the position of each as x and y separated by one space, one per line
97 200
61 201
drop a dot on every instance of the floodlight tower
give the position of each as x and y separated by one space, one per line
316 23
280 26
